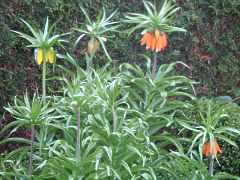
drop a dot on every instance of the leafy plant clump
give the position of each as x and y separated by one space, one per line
126 122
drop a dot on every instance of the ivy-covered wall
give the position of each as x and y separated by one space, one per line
211 47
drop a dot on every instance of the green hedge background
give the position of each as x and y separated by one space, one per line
211 47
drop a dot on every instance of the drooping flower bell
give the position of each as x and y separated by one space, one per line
209 149
48 54
39 55
93 46
156 41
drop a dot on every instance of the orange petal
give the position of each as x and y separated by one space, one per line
206 149
158 40
161 43
144 38
158 45
153 43
149 41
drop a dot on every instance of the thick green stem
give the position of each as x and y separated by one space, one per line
154 67
44 83
31 150
114 114
211 164
44 70
78 141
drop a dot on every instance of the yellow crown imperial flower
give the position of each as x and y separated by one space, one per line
50 56
39 55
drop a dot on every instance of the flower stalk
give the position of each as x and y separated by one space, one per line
44 70
211 164
114 114
89 62
78 141
154 67
31 150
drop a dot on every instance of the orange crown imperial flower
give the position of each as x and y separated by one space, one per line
207 149
156 41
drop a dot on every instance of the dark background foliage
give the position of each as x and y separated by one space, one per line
211 47
230 158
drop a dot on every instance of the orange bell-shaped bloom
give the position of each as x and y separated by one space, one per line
207 149
156 41
153 43
147 39
144 38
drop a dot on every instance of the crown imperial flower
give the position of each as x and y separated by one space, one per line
156 41
155 24
211 149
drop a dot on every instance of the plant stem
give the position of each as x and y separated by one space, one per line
114 119
211 163
90 62
44 78
44 69
31 150
154 67
78 142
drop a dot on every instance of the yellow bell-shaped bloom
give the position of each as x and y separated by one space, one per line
93 46
50 56
39 55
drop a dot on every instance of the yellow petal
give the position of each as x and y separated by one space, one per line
93 46
50 56
39 56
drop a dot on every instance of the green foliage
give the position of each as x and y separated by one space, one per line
117 137
40 39
206 124
229 160
152 96
215 118
29 112
154 18
129 107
